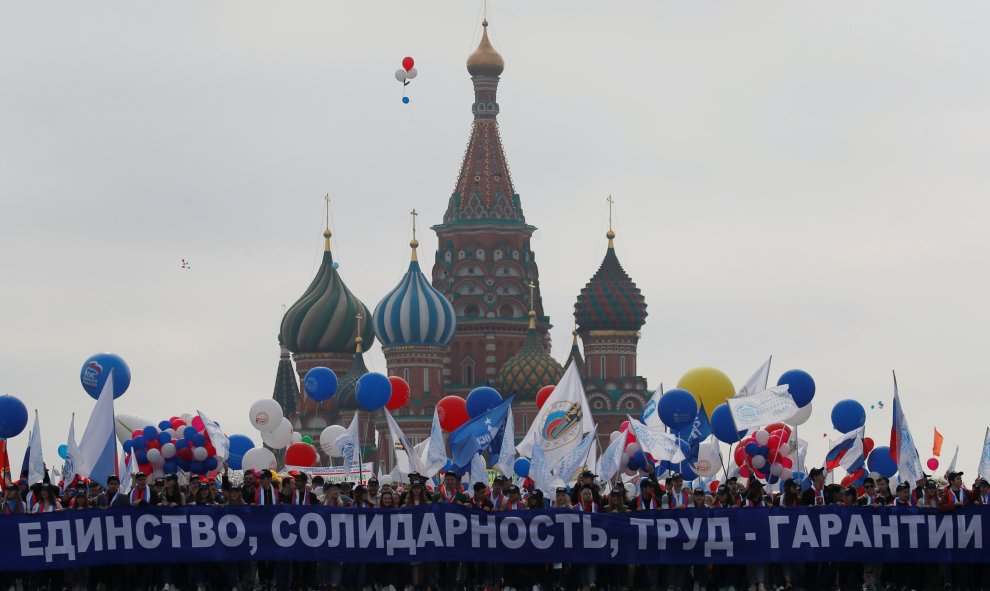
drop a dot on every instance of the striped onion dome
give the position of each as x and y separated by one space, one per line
324 319
414 313
610 300
531 368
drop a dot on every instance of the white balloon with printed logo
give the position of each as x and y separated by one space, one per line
328 440
265 415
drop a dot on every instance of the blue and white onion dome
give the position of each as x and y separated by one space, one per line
414 313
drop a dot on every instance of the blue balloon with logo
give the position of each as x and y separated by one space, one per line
373 391
481 400
320 383
239 445
723 426
96 370
800 385
521 467
848 415
677 408
879 461
13 416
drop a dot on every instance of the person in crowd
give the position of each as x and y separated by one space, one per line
316 487
192 489
815 495
615 503
930 498
513 501
677 497
586 478
647 499
450 492
112 495
724 498
170 495
755 498
699 499
587 573
981 493
249 486
883 495
902 497
869 496
480 499
561 499
374 489
332 498
955 495
346 488
497 496
535 500
361 498
265 493
78 578
416 497
46 500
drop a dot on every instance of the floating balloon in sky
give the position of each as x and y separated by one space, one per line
404 74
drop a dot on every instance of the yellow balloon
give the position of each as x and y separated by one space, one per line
709 385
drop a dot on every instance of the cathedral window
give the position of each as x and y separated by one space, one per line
405 374
506 310
426 380
601 363
622 365
467 371
472 311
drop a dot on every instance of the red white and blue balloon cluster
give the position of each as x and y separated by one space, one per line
177 444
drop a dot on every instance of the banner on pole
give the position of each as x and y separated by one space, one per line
337 473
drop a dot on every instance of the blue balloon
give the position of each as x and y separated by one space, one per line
184 464
128 446
210 463
879 461
405 100
763 451
63 451
320 383
239 445
800 385
97 368
141 456
139 442
752 448
199 440
164 425
637 461
170 466
189 433
151 433
521 467
481 400
180 443
164 438
373 391
723 426
686 471
13 416
677 408
848 415
197 467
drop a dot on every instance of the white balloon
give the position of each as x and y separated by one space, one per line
630 489
776 469
279 438
386 479
158 473
400 75
259 458
631 449
199 454
265 415
188 418
327 439
155 457
786 473
168 450
758 462
762 437
705 467
411 73
615 435
801 416
296 437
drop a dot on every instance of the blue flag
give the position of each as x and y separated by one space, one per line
695 433
478 434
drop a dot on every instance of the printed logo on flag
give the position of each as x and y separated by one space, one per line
649 410
703 466
747 413
91 374
347 450
562 425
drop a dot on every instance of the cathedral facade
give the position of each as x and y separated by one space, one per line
479 318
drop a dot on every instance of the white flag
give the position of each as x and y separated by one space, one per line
769 406
651 418
660 445
436 453
126 477
610 462
952 464
574 459
908 460
406 460
984 471
540 470
564 419
507 449
349 444
217 436
69 469
36 459
479 470
98 446
757 382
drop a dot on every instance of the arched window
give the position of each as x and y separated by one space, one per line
601 360
467 371
506 311
405 374
426 380
622 365
472 311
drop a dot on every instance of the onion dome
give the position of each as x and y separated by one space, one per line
324 319
610 300
485 61
346 396
531 367
414 313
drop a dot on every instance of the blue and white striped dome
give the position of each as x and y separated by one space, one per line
414 313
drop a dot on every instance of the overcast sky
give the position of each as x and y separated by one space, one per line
807 180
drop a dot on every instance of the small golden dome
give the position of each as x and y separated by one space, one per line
485 61
327 233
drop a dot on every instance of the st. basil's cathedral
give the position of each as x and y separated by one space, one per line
479 320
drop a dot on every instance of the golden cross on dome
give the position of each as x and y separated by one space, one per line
327 199
532 297
414 214
358 339
611 202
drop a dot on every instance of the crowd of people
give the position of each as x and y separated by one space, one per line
586 495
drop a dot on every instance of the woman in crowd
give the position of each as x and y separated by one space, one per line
416 497
171 495
78 578
587 573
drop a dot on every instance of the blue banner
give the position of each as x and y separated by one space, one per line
446 533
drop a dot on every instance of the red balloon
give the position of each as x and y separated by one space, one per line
544 393
744 471
785 462
400 393
197 423
774 444
713 485
867 446
407 63
185 453
452 411
630 438
177 423
138 433
300 454
624 426
210 450
740 455
777 426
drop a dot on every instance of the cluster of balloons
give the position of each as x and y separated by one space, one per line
634 460
454 411
96 370
180 443
13 416
404 74
767 454
375 391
